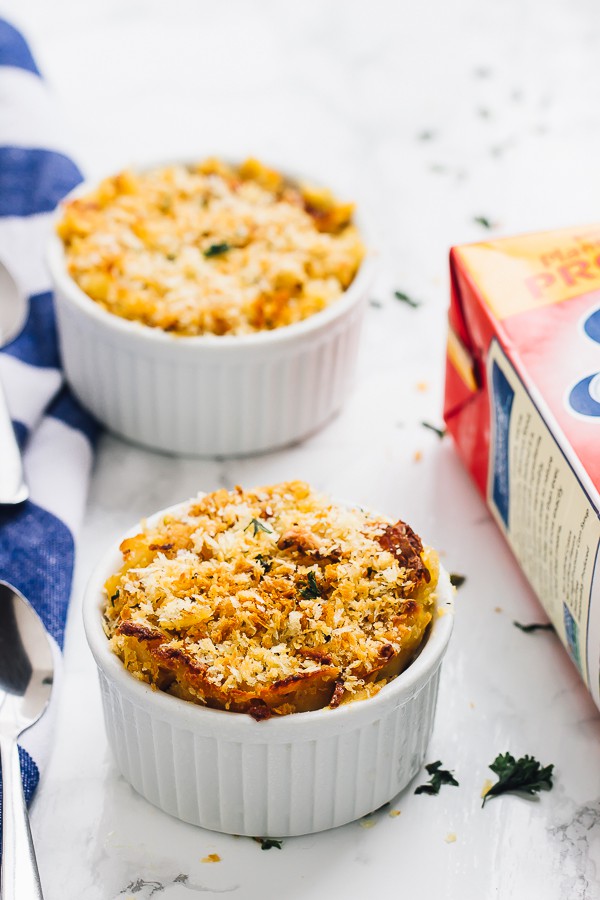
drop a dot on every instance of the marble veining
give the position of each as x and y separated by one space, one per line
175 888
578 840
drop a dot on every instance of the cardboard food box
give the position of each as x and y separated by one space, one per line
523 406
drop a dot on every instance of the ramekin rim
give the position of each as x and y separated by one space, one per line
404 685
55 258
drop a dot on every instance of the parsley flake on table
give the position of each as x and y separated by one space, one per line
268 843
438 778
441 432
534 626
404 298
483 221
457 580
258 526
523 776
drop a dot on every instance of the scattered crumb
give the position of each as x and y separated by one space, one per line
487 784
211 858
441 611
393 813
422 386
450 837
472 705
417 456
498 609
367 823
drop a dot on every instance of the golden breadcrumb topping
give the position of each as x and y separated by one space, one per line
210 248
274 600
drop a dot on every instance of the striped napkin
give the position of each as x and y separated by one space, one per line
56 435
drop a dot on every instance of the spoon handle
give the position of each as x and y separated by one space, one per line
12 482
20 876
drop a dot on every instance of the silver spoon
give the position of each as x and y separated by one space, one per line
26 674
13 312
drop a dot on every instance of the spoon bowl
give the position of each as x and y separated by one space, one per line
26 676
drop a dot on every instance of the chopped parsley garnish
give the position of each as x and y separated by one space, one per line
217 249
483 221
264 563
404 298
258 526
457 580
268 843
311 590
438 778
376 304
534 626
524 775
115 596
441 432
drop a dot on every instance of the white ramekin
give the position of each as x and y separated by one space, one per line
207 395
297 774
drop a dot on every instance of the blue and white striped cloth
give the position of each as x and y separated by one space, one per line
55 434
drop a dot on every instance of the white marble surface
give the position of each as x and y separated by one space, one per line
433 113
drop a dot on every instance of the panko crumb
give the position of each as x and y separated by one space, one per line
487 784
394 813
450 837
211 858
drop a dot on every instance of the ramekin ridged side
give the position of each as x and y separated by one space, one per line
291 775
207 395
276 786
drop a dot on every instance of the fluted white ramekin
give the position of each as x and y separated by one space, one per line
292 775
207 395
